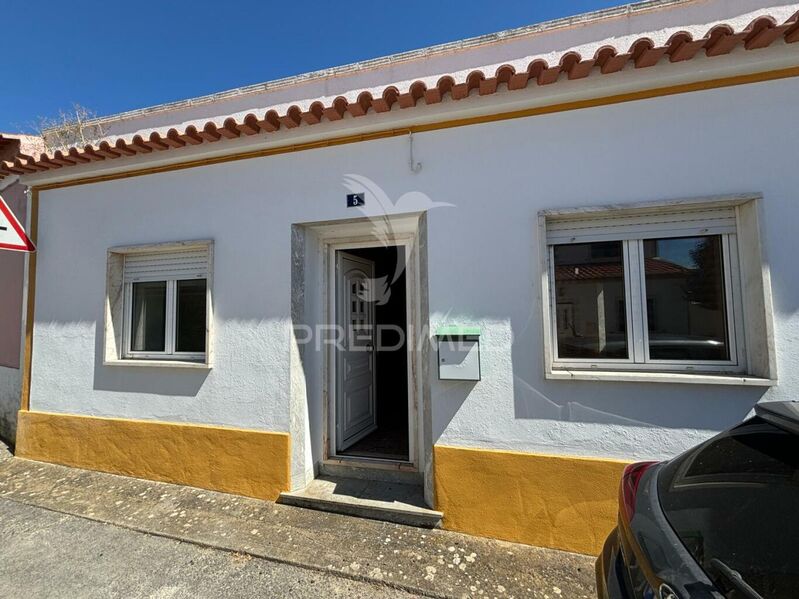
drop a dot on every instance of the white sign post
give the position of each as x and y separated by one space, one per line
12 235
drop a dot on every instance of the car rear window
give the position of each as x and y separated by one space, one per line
735 498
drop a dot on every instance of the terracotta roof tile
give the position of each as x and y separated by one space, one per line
642 53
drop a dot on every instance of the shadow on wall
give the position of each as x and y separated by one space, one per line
629 405
679 406
178 382
660 405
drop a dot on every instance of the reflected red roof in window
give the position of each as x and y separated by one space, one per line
613 270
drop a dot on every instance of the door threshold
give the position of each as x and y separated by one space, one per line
356 468
377 463
388 501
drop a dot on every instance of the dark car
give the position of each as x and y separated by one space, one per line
720 520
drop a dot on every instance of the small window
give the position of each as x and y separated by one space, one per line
166 298
640 290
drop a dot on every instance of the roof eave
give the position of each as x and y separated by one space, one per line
626 85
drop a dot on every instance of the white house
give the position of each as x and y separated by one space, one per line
499 269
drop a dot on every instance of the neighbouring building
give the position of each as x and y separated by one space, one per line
12 278
501 268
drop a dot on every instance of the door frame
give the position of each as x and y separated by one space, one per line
359 235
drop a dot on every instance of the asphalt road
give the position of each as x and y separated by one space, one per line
49 554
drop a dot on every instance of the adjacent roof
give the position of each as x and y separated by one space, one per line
14 145
639 52
9 147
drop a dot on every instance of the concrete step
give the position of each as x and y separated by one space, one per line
354 469
378 500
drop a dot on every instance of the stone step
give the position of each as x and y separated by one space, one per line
378 500
353 469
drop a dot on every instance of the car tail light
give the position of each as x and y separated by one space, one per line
629 486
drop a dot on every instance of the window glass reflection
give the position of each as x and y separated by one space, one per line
589 300
191 325
148 329
685 299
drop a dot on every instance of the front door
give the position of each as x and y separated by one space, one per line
355 357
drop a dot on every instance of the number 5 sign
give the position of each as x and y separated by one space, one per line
12 235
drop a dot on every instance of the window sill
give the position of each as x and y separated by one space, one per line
159 364
660 377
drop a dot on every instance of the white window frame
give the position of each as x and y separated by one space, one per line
119 309
169 352
744 309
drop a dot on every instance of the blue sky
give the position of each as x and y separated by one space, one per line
115 56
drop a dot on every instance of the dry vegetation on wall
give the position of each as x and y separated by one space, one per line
77 127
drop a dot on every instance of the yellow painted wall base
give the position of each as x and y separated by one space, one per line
244 462
562 502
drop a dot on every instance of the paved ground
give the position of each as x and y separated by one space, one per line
73 533
47 554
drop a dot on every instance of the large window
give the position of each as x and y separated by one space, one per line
166 304
646 290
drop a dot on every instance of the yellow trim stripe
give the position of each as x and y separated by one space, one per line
245 462
563 502
575 105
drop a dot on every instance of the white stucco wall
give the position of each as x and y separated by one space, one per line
482 267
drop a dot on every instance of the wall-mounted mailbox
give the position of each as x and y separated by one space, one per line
458 353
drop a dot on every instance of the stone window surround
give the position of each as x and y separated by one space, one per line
758 318
113 351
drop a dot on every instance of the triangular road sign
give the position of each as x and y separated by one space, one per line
12 235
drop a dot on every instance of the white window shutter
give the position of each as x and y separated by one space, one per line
649 225
188 263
